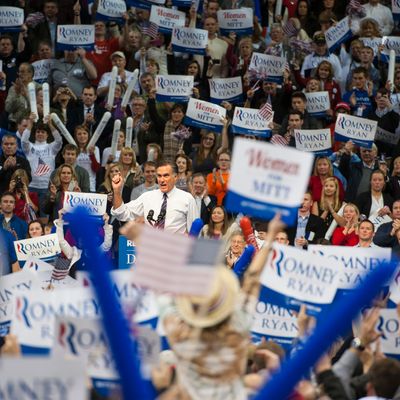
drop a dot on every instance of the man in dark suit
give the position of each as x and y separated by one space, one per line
205 203
308 227
89 113
385 235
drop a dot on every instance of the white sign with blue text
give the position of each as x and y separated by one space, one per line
111 10
264 181
166 18
42 70
388 326
292 277
318 103
317 141
189 40
239 20
44 248
360 131
126 253
338 34
270 66
390 43
203 114
174 88
226 89
95 203
11 19
396 9
249 121
72 37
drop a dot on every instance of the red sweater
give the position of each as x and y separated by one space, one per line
340 239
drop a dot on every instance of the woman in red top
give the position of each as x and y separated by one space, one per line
323 169
347 235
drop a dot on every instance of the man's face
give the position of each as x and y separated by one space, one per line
298 104
88 97
276 35
70 56
295 122
307 203
382 100
147 83
7 204
166 178
396 210
211 25
367 155
22 126
100 28
44 52
70 157
118 62
212 9
9 146
320 48
198 184
6 47
149 173
138 107
366 55
281 238
366 231
359 81
50 9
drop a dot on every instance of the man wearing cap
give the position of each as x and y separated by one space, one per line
320 53
124 77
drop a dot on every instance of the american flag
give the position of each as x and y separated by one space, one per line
182 133
150 29
355 9
61 268
42 168
175 264
266 110
289 29
279 140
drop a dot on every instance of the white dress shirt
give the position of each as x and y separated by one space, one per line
181 209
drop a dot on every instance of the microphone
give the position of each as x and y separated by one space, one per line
196 227
160 217
150 216
245 225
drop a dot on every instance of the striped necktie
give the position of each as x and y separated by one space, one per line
163 212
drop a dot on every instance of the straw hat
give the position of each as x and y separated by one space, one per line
204 312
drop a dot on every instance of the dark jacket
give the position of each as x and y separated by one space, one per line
5 174
18 226
315 224
382 236
364 202
205 211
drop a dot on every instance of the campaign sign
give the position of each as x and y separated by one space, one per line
264 181
143 4
274 323
353 263
35 265
126 253
388 326
203 114
390 43
174 88
317 141
43 247
248 121
378 220
11 19
360 131
95 203
189 40
374 43
271 66
42 70
239 21
386 136
184 3
226 89
35 312
318 103
396 9
166 18
9 285
42 378
338 34
395 288
72 37
111 10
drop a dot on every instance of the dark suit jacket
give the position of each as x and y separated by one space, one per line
364 202
205 211
315 224
6 174
382 236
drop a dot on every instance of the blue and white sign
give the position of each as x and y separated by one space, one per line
390 43
11 19
274 323
292 277
396 9
226 89
42 378
338 34
317 141
388 326
42 70
174 88
166 18
143 4
183 3
272 67
248 121
318 103
72 37
360 131
239 20
16 282
95 203
44 248
353 263
374 43
203 114
111 10
126 253
189 40
385 136
264 181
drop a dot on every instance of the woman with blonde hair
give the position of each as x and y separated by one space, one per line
347 235
238 62
130 172
106 187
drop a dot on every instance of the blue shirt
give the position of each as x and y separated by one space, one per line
362 101
7 252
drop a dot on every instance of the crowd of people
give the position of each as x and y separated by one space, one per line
168 174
